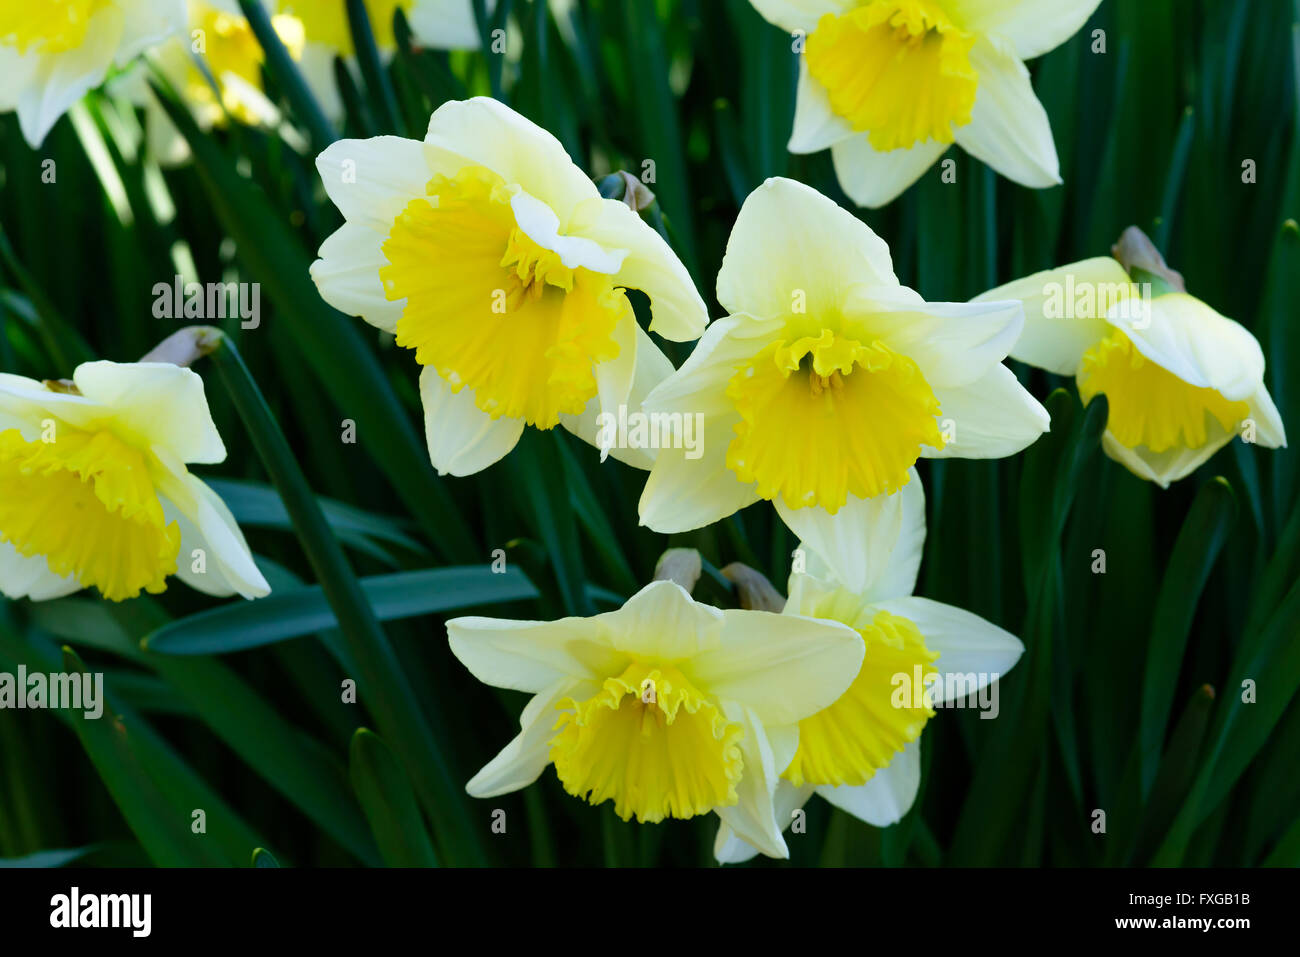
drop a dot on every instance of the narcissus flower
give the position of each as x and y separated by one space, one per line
94 490
862 753
495 259
667 707
888 85
1180 379
438 24
829 379
53 51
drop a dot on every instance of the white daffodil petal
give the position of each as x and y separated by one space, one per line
372 180
1168 466
1032 26
662 621
347 275
954 343
532 655
481 130
1269 430
317 68
148 22
875 178
792 248
1190 339
700 385
1009 129
685 492
462 438
968 646
446 24
889 795
676 310
800 15
214 556
991 418
522 761
540 224
155 404
29 576
1064 311
767 752
730 849
816 125
784 668
60 80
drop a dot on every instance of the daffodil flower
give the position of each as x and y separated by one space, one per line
667 707
222 39
888 85
1180 379
94 490
53 51
862 753
829 379
495 259
437 24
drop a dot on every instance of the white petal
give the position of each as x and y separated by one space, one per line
1269 430
889 794
954 343
540 224
967 644
873 546
24 576
1170 465
683 493
522 761
700 385
1009 129
1194 342
155 403
1062 318
445 24
372 180
991 418
532 655
663 622
783 667
482 131
207 524
347 275
676 310
730 849
816 125
462 438
148 22
767 752
792 245
1032 26
792 15
317 68
874 178
61 79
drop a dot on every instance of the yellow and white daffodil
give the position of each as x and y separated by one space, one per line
829 379
888 85
222 39
53 51
438 24
862 753
1180 379
94 490
667 707
490 254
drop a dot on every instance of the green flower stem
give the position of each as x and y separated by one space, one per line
390 697
382 98
290 78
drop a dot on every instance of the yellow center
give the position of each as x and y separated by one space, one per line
651 742
230 48
1149 405
490 309
87 503
824 417
897 69
882 710
326 22
47 26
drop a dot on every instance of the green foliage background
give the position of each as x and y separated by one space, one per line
1128 699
